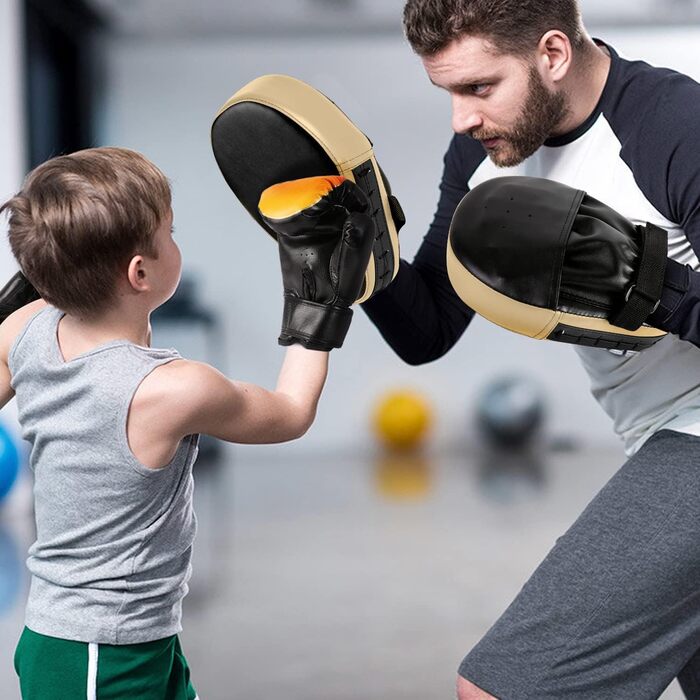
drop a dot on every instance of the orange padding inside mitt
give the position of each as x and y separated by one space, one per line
286 199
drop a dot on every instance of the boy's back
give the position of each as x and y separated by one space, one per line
114 537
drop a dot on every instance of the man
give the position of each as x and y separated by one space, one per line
614 609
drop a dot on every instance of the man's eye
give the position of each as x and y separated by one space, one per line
478 89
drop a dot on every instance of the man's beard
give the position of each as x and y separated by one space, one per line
542 112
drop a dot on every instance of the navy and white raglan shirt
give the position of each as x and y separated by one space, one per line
639 153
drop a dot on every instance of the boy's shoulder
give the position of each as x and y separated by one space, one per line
181 378
14 324
176 391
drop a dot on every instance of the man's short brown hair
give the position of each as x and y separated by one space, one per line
512 26
80 217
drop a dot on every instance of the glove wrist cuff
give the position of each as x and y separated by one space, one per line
313 325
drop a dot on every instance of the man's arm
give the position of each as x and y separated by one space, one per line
662 149
679 308
419 314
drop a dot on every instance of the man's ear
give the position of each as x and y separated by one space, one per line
554 56
136 274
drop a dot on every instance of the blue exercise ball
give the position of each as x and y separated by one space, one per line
510 411
9 462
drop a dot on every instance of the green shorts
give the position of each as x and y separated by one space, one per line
59 669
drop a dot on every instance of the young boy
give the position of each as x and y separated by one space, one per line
113 424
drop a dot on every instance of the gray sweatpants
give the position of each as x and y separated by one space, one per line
613 612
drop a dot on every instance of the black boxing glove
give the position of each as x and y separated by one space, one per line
18 292
325 240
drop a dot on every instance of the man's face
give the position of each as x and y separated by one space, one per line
497 99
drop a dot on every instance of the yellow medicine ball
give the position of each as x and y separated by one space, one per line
402 419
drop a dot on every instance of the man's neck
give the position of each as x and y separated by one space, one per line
585 87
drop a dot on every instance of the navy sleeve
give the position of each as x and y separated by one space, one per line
679 310
663 150
419 314
665 155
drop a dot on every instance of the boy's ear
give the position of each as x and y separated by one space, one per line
136 274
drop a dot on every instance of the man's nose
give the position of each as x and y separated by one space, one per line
465 116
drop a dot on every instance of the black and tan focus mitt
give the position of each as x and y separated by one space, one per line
278 129
551 262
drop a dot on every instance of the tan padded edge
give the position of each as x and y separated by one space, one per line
516 316
370 280
344 143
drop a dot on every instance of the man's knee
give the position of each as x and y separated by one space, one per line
466 690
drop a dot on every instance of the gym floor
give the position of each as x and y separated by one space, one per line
345 579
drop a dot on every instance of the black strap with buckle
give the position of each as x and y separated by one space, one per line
642 298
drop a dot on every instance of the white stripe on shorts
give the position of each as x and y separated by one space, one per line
93 653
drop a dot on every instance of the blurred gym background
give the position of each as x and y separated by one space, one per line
364 560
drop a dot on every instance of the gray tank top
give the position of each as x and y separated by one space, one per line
113 550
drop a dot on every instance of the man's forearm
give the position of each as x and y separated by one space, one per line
418 315
679 309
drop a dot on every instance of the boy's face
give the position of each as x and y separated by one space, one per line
168 265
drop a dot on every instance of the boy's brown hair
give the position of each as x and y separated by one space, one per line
512 26
79 218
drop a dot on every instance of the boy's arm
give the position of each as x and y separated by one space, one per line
199 399
325 243
9 330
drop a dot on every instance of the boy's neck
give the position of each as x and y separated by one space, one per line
115 324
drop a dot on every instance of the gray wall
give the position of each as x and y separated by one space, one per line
11 131
161 97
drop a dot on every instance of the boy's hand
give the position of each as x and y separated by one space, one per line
325 242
